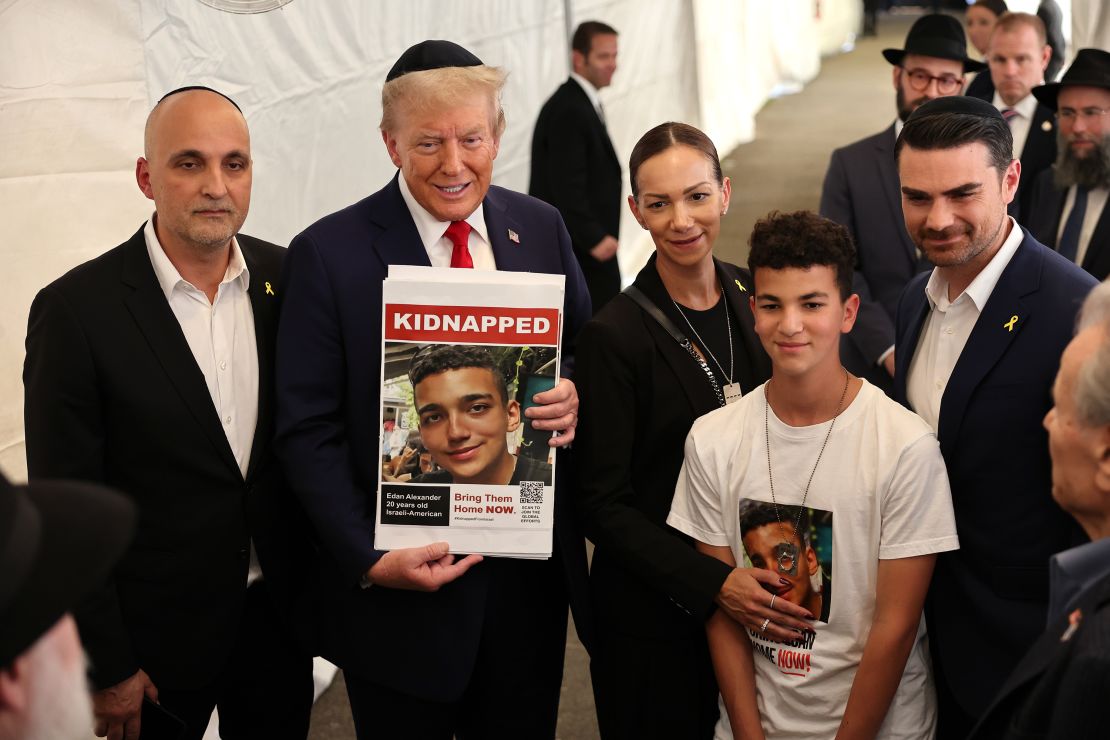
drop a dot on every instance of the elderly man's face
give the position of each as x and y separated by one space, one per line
1077 449
446 154
197 170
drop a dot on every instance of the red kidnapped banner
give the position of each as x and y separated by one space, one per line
471 324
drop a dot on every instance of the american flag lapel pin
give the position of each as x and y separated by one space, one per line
514 237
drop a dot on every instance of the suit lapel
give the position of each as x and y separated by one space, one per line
154 317
1040 143
758 367
264 308
399 242
694 384
1097 259
992 335
1056 207
588 109
509 252
1050 647
892 188
908 345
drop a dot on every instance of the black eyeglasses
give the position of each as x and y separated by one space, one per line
920 79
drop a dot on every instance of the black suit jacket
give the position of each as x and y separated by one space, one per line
982 86
575 169
1046 210
1036 156
1059 689
328 434
640 393
987 601
862 192
114 395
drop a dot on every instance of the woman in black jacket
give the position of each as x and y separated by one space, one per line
641 389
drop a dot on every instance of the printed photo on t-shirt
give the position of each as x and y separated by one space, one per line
797 548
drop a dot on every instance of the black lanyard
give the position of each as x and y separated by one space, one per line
637 295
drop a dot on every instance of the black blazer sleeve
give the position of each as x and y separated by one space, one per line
611 378
65 439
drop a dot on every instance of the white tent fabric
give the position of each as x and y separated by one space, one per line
78 78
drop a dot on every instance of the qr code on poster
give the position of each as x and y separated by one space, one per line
531 492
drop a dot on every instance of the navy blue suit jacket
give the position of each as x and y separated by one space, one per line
861 192
1059 688
988 600
328 433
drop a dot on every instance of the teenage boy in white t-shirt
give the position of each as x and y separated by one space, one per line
827 481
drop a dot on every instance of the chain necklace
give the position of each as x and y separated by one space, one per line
703 345
786 553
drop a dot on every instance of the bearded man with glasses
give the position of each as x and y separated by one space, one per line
861 192
1068 202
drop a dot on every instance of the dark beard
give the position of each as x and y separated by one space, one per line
1092 171
904 108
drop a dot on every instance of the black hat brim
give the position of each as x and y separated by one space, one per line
1048 94
895 57
83 530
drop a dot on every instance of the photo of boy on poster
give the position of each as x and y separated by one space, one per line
762 530
468 401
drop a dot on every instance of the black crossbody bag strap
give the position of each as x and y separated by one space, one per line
637 296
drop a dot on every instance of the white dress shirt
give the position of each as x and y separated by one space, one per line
433 233
947 328
1096 201
220 334
1019 124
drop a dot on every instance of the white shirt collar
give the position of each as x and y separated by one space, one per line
591 91
1025 107
898 124
980 289
429 227
168 276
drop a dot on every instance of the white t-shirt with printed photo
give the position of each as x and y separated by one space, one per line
881 491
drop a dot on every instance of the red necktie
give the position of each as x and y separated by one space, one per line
459 234
1009 114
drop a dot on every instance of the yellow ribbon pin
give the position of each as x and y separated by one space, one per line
741 287
1010 324
270 290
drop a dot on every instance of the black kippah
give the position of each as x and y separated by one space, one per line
957 104
432 54
187 88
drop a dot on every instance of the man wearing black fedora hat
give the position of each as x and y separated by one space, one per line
58 542
431 646
1068 205
861 192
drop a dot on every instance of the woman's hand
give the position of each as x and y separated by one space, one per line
749 596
